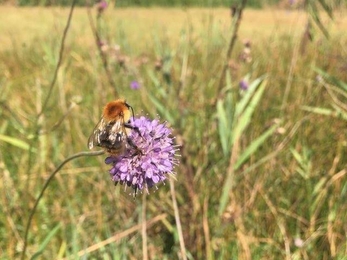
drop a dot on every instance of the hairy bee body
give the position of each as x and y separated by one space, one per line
111 131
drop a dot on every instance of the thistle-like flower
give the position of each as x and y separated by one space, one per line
153 159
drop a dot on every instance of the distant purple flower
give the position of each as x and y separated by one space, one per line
243 84
101 43
135 85
154 161
102 5
292 2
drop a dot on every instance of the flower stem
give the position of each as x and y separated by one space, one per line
178 221
45 186
144 227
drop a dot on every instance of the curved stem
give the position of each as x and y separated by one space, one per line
45 186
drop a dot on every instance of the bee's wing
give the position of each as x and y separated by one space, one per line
93 139
118 126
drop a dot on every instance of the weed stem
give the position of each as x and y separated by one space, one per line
45 186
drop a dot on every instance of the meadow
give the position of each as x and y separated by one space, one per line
262 171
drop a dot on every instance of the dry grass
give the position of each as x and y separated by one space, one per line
24 25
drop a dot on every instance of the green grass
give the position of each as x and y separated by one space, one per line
289 185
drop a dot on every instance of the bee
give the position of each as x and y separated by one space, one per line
111 133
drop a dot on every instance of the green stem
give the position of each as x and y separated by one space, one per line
45 186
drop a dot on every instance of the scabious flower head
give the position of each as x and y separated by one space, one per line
151 161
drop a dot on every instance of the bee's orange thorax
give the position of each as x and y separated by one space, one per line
115 110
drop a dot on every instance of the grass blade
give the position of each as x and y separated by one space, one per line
223 127
326 8
337 113
15 142
249 93
46 241
332 79
254 146
246 116
314 12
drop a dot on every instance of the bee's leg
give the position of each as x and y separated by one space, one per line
135 128
130 142
135 191
133 145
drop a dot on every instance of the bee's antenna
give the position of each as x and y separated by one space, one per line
132 110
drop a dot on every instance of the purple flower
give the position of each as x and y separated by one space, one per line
102 5
152 162
135 85
101 43
243 84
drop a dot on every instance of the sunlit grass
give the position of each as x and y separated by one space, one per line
298 192
24 25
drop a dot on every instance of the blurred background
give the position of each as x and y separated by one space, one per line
254 91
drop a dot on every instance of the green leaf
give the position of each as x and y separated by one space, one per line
228 185
301 161
248 94
253 147
46 241
327 8
337 113
318 190
318 110
331 79
223 128
244 120
314 12
15 142
297 156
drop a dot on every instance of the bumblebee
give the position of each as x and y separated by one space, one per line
111 133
